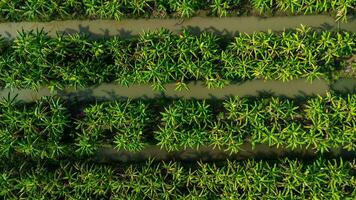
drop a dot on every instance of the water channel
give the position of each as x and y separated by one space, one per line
211 154
197 90
222 26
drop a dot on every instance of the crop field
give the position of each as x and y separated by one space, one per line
178 99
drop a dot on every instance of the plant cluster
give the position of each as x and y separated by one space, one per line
113 9
35 129
281 179
122 122
34 60
321 122
44 129
340 8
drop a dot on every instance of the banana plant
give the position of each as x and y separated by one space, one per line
121 124
34 60
343 8
34 130
41 10
280 178
184 124
262 6
185 8
220 8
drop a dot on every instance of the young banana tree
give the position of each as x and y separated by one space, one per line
262 6
185 8
122 123
35 130
220 7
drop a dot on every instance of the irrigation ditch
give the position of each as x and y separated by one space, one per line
196 90
108 154
221 26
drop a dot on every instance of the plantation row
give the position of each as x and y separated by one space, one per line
49 129
112 9
33 59
282 179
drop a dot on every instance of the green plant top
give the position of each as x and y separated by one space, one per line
44 129
43 10
281 179
34 60
35 129
320 123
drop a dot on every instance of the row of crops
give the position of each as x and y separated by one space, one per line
51 128
280 179
69 9
34 60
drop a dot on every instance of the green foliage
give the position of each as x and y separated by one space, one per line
35 130
43 10
42 129
270 121
184 124
331 117
120 123
281 179
184 8
321 123
262 6
220 8
31 132
33 59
